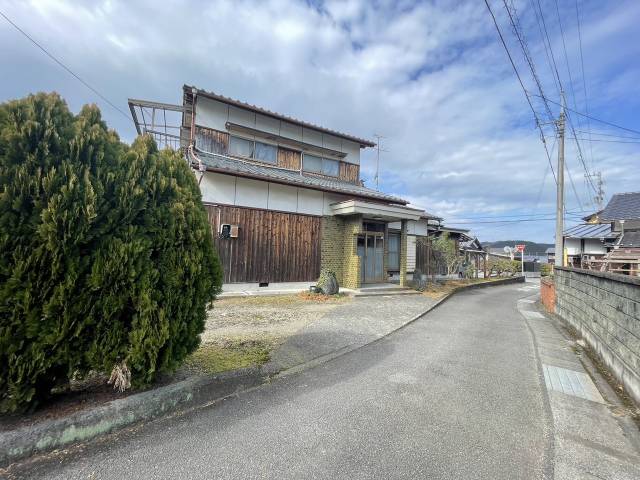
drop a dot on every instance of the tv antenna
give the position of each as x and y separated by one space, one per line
378 138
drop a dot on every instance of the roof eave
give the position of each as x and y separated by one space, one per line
394 200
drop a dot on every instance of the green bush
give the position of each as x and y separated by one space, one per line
107 262
545 269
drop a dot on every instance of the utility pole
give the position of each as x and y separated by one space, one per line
559 256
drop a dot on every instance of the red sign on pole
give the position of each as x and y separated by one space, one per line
520 248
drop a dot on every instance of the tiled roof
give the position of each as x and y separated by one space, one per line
264 111
622 206
224 164
590 230
630 240
550 250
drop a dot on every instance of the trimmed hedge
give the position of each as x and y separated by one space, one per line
107 261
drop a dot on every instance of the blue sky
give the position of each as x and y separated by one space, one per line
431 77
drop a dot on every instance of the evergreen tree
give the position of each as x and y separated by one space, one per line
107 261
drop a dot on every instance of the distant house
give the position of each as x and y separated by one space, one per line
551 255
609 239
285 198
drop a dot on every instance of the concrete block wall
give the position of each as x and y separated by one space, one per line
605 309
332 246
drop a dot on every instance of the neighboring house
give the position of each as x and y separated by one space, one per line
284 197
610 238
587 242
551 255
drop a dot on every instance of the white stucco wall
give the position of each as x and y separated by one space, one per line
592 246
214 114
246 192
414 227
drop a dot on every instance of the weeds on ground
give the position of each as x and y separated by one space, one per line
215 357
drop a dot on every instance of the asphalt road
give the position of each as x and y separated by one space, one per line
457 394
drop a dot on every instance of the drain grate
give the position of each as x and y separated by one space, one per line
571 382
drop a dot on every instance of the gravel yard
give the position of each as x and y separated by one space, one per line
243 331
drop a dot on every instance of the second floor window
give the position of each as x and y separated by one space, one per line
252 149
241 147
266 153
324 166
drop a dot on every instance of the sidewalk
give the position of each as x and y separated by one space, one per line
346 328
594 434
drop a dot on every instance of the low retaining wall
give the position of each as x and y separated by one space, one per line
605 309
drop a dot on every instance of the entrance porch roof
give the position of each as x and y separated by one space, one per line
376 211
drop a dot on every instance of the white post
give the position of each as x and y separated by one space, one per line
522 261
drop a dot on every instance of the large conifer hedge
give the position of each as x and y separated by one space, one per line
106 256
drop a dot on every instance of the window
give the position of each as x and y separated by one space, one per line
266 153
330 167
241 147
325 166
311 163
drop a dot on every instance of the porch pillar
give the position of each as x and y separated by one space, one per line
403 254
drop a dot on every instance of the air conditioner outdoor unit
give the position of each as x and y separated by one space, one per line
228 230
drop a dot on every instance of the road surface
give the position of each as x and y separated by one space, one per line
457 394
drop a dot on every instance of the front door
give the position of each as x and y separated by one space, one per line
371 253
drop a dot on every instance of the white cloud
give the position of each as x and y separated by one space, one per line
429 76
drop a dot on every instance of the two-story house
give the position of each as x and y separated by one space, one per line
284 197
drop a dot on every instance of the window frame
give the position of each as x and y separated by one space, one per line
323 161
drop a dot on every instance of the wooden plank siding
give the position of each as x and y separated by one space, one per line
212 141
290 159
271 246
349 172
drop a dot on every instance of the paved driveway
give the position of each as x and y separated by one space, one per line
456 394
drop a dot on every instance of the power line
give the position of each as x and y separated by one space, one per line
526 94
77 77
584 81
518 215
594 118
610 135
505 221
517 30
607 141
559 81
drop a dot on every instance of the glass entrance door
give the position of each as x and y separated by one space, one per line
371 253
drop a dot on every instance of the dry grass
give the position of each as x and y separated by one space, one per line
214 358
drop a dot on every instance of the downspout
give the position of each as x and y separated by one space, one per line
190 150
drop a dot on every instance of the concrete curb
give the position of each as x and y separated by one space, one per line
190 393
84 425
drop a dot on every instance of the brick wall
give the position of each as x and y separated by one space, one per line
548 294
332 246
605 309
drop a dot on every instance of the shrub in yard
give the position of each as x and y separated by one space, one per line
107 261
